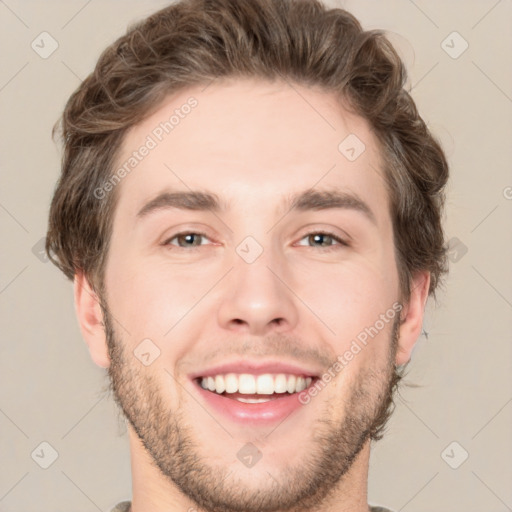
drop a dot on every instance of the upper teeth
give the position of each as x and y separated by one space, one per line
247 384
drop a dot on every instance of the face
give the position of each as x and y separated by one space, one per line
251 251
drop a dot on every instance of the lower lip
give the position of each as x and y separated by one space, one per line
262 413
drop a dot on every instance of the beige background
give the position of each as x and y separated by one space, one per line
52 392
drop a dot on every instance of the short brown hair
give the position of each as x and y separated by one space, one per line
196 41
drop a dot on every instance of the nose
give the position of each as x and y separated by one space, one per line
256 298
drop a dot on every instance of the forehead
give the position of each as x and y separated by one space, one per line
246 140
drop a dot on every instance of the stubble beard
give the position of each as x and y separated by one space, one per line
172 443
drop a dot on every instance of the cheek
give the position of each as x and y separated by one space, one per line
348 297
364 357
154 299
148 299
357 301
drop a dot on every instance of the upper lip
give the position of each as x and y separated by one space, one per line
256 368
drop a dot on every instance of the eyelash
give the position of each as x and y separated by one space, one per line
336 238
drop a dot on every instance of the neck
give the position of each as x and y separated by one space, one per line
154 491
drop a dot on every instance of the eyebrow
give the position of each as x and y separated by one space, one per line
304 201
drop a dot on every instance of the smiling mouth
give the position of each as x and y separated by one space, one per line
255 389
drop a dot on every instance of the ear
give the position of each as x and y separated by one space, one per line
90 318
412 317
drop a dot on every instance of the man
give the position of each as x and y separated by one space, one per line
250 208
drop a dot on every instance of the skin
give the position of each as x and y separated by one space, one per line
253 144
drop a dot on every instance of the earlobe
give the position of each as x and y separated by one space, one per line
412 317
90 319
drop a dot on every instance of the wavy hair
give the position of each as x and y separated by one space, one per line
193 42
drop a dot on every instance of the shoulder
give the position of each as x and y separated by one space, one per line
124 506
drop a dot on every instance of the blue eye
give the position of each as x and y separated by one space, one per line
326 240
192 240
